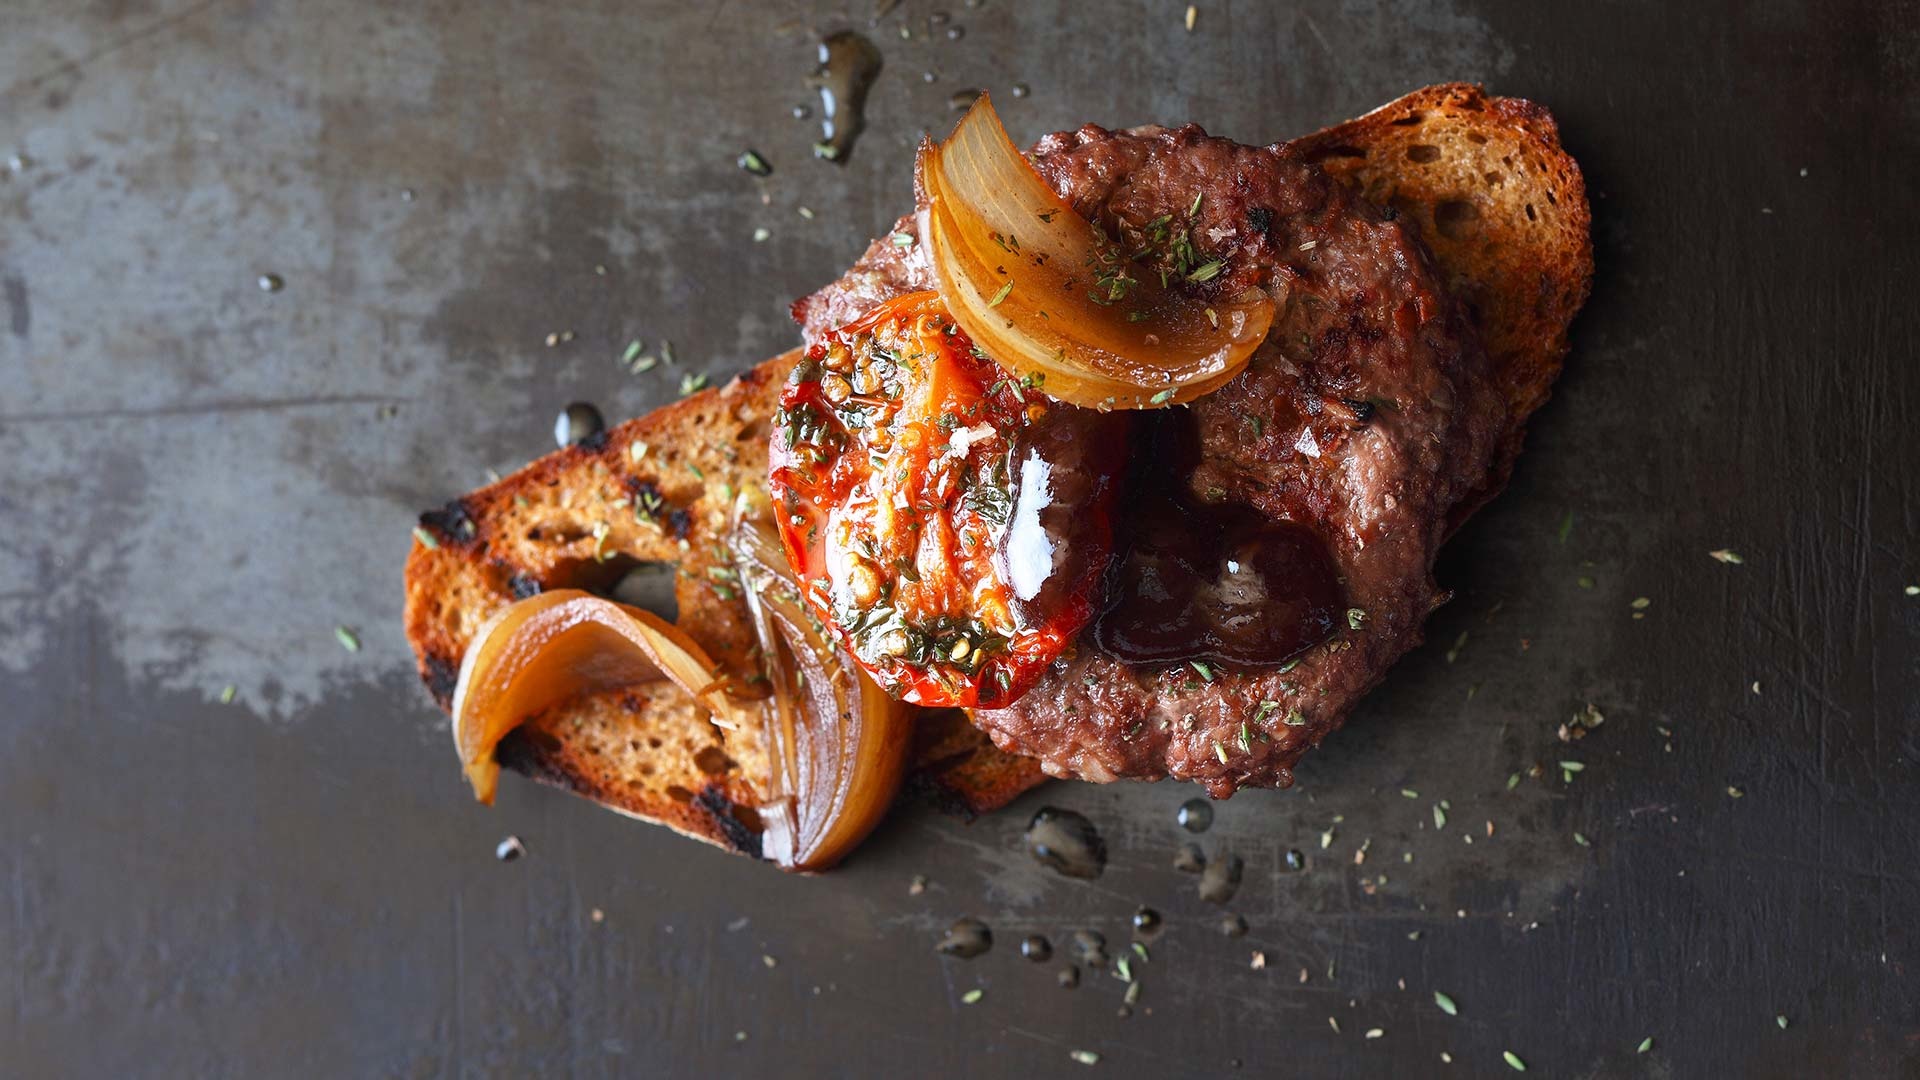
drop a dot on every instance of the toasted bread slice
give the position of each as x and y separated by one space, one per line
1503 208
1501 204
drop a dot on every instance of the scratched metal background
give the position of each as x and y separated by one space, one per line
199 480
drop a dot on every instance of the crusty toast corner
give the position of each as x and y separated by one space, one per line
1502 206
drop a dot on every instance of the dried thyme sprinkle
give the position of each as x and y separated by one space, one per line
346 639
1266 709
1085 1057
1646 1044
973 996
1206 271
426 538
1727 555
1513 1061
227 692
1001 295
754 163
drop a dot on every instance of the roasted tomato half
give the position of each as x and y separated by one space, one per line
948 523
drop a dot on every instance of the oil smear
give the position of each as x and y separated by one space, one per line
848 65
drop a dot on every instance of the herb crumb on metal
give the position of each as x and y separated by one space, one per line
1374 1033
973 996
1727 555
1193 13
1781 1020
1085 1057
753 163
227 692
347 639
1446 1004
1646 1044
1513 1061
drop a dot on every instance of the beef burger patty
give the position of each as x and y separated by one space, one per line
1299 506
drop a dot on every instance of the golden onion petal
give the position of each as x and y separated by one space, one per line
1022 273
837 744
547 649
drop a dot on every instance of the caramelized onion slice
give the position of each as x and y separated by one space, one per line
838 745
550 648
1048 296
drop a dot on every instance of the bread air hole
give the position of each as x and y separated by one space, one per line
1456 218
1423 154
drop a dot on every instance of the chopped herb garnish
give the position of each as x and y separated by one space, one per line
1782 1021
754 163
1001 295
1439 817
1727 555
1295 718
1566 527
1356 618
633 350
1572 766
1581 839
1646 1044
1207 271
427 539
1162 397
1085 1057
227 692
693 382
1195 208
1220 751
1409 793
973 996
346 639
1513 1061
1204 671
1446 1004
1513 781
903 240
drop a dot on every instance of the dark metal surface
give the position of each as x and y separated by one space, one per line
200 479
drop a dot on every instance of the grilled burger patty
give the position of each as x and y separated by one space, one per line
1277 536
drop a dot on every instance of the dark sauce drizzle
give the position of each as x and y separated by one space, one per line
848 65
1214 583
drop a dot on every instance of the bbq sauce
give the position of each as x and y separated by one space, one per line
1214 582
848 65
